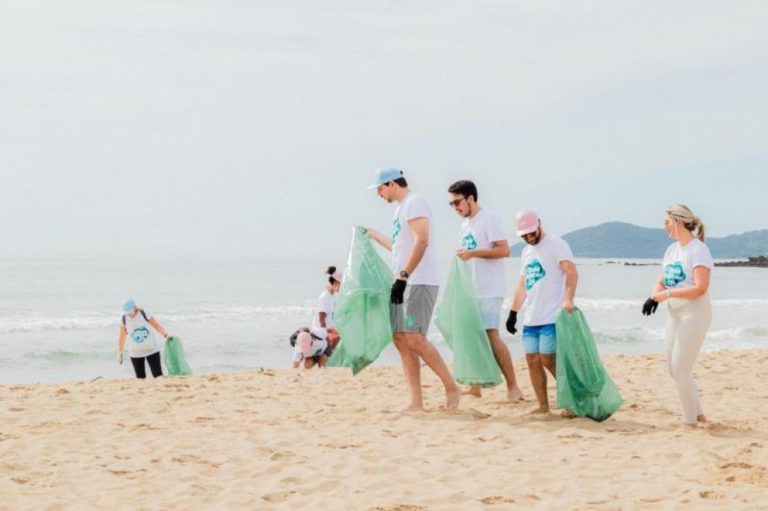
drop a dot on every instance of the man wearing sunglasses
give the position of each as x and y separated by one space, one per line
484 244
414 291
548 279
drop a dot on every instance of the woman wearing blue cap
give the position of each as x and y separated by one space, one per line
141 339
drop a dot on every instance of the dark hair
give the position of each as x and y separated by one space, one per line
464 188
401 182
295 335
330 271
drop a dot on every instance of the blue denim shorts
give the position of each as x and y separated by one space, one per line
540 339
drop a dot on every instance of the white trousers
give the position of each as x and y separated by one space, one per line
687 325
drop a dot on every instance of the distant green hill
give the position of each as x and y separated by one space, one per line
623 240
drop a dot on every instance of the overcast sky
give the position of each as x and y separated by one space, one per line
240 129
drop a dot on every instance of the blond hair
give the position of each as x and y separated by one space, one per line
690 221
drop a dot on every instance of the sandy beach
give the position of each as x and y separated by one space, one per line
282 439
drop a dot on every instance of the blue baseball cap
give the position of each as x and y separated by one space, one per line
385 175
128 305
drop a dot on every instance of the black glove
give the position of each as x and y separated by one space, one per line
398 289
511 321
650 306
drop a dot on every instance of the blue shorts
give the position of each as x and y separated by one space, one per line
540 339
490 311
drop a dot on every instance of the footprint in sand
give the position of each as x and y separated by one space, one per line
497 500
278 496
735 464
186 459
710 495
282 455
400 507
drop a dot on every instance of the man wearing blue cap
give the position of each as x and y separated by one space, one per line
414 291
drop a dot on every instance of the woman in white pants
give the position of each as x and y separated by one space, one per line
684 286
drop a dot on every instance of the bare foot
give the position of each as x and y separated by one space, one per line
414 407
514 394
474 390
701 418
541 410
690 426
452 398
567 414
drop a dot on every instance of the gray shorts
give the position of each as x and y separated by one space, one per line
415 313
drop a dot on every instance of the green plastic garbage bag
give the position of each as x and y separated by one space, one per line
583 385
175 363
458 319
362 306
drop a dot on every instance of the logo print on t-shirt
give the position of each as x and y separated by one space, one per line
534 272
469 242
674 274
140 334
395 230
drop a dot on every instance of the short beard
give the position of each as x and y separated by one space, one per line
536 240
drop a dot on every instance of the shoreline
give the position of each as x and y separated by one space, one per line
277 439
389 358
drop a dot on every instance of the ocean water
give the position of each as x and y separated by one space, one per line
59 319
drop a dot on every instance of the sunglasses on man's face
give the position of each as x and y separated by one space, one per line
530 235
455 203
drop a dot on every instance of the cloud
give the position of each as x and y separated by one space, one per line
223 125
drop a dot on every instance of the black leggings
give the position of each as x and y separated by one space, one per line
154 365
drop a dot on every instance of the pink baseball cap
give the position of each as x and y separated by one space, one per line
304 343
526 222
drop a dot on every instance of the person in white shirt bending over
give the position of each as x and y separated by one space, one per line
548 279
484 243
138 329
684 286
414 291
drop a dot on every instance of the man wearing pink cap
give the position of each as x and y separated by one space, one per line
414 291
548 279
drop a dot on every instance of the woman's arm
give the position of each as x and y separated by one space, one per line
658 286
121 344
157 326
701 276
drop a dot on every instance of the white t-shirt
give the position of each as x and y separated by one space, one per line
544 279
488 275
414 206
317 348
141 336
679 262
325 303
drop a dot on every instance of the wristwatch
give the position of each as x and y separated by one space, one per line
404 275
